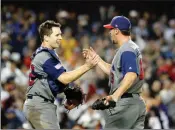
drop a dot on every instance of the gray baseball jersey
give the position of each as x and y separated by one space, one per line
39 108
129 112
46 68
127 59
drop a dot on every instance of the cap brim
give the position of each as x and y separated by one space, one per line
108 26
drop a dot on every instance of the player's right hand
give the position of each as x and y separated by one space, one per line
91 57
92 61
107 99
87 53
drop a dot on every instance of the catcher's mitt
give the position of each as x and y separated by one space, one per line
99 104
74 97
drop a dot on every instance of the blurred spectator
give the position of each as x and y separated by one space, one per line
90 119
62 16
5 58
65 121
167 93
5 41
68 44
170 32
133 16
13 121
12 70
141 29
83 20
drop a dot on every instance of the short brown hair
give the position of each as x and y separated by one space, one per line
46 28
126 32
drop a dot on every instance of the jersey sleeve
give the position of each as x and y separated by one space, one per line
53 68
129 62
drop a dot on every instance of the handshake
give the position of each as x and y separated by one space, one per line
91 57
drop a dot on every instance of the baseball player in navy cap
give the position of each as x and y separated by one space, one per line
120 22
125 78
48 77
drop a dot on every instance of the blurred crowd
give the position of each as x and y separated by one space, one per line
154 34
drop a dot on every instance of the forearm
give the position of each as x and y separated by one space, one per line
104 66
126 83
73 75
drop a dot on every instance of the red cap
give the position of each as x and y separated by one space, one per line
108 26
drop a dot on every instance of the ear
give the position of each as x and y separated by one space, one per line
116 31
45 38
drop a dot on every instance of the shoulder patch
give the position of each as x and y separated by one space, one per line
58 66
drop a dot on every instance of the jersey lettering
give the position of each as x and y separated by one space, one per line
141 76
112 78
32 77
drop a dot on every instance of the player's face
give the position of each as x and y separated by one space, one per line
55 38
113 33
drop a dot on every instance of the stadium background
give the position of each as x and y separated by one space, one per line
153 29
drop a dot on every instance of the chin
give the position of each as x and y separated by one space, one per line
113 42
56 46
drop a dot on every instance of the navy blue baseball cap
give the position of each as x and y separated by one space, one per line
120 22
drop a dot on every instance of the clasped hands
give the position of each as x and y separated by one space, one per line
92 59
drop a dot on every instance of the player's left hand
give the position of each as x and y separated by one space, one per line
104 103
87 53
109 98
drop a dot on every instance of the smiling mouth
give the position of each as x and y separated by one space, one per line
58 41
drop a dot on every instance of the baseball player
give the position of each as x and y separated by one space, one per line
48 78
125 78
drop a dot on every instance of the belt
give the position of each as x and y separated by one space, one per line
128 95
45 99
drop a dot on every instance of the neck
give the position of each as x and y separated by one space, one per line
123 40
44 44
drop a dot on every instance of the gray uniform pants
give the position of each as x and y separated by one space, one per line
41 114
129 113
